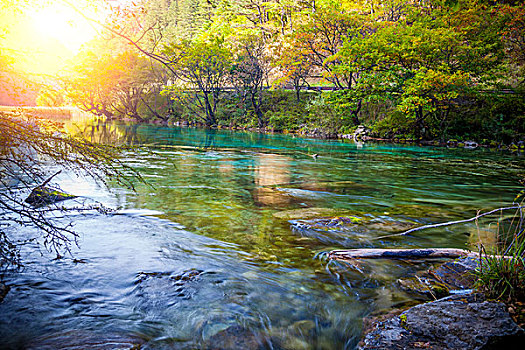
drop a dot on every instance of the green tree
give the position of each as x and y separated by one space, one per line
249 70
426 60
201 68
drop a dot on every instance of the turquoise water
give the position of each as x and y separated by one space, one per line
223 247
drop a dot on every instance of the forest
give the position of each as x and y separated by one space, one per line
422 70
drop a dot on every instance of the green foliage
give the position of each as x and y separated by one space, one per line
503 278
201 66
284 112
395 125
432 69
427 60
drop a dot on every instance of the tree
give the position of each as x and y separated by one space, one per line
116 85
200 67
249 71
321 41
425 61
322 36
139 78
91 85
292 61
28 146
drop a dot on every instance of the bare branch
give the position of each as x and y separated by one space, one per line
450 222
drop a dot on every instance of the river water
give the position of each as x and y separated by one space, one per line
223 247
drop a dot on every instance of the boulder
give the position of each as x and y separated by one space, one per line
42 196
456 322
361 132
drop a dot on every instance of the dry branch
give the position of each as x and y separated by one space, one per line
448 223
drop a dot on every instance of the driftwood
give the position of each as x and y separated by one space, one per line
409 254
451 222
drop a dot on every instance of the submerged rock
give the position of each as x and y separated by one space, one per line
456 322
457 274
164 290
427 289
345 230
353 223
42 196
233 337
452 276
305 213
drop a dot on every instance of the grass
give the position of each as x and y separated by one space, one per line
503 278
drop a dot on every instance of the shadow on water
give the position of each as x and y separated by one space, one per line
222 250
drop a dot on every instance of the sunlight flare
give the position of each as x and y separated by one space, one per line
62 23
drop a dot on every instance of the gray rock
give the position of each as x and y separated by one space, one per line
361 132
456 322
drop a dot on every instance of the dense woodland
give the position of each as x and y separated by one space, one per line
433 69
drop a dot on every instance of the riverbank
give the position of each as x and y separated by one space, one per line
359 133
455 319
362 134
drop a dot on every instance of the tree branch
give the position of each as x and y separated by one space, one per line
448 223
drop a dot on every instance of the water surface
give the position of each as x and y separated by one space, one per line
211 253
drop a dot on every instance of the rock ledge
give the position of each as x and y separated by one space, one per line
455 322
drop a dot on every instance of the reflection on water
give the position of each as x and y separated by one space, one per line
210 254
272 169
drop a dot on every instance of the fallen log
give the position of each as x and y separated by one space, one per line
409 254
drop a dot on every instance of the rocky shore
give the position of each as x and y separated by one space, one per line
455 322
461 319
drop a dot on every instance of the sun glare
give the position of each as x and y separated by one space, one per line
45 36
64 24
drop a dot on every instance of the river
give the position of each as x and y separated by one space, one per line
221 249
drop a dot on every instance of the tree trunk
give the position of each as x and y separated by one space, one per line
210 115
257 107
355 113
